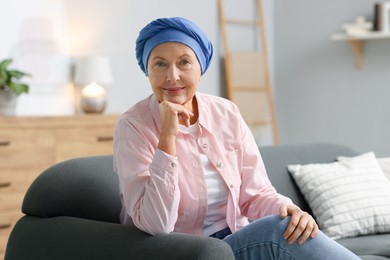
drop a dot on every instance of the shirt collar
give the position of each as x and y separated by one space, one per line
204 113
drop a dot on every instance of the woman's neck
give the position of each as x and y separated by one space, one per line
193 107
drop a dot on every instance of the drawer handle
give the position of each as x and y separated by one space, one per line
5 184
105 138
5 226
5 143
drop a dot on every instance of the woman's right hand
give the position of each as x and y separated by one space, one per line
171 115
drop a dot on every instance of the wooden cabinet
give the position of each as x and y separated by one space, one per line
29 145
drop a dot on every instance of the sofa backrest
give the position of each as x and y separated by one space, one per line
277 158
84 187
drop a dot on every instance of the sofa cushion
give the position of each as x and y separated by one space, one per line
348 198
369 247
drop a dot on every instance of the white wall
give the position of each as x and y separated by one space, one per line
34 35
111 27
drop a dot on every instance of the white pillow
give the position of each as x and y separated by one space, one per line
348 198
385 165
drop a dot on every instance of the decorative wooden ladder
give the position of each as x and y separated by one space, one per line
248 81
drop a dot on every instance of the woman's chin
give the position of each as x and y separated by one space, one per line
176 100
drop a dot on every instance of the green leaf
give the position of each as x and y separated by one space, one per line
18 74
4 77
19 88
4 64
10 78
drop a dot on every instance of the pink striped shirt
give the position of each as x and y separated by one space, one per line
162 193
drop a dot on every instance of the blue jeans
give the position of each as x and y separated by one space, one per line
263 239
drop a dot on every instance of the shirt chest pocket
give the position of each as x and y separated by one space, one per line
230 169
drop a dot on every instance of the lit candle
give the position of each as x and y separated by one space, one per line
93 90
93 98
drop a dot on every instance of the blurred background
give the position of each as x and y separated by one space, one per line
319 93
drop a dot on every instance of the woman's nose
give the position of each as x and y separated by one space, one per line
173 74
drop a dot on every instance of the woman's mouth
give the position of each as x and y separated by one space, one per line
174 91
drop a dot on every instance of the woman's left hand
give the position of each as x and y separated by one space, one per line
301 226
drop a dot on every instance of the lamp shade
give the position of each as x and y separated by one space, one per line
93 69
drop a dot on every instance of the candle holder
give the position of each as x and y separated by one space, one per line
93 72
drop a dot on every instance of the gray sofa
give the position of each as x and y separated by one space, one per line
276 158
72 212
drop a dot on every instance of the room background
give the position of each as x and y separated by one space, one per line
319 94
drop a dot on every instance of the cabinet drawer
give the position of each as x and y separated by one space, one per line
10 200
7 222
20 149
18 180
78 142
13 186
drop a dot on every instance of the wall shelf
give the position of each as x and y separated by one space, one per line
357 43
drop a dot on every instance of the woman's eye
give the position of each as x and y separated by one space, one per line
184 62
160 64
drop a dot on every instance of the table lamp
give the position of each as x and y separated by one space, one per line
93 72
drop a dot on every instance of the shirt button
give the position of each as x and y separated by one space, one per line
173 165
219 164
231 186
205 146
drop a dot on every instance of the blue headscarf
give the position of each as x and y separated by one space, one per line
175 29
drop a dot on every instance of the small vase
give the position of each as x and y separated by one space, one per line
7 102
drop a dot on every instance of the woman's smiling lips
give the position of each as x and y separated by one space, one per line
174 91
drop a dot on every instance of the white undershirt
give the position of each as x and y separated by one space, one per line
217 191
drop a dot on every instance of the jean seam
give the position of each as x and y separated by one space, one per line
265 243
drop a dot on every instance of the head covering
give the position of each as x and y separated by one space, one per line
175 29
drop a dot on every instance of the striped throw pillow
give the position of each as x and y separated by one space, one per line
385 165
349 197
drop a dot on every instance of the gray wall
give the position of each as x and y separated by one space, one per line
320 96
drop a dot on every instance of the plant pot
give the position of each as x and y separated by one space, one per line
7 102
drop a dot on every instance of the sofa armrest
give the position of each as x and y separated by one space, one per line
76 238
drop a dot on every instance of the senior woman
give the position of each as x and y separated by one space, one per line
188 163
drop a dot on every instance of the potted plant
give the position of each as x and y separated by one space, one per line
10 87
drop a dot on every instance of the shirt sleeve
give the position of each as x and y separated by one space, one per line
148 180
258 197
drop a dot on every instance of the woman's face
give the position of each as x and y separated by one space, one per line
174 73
